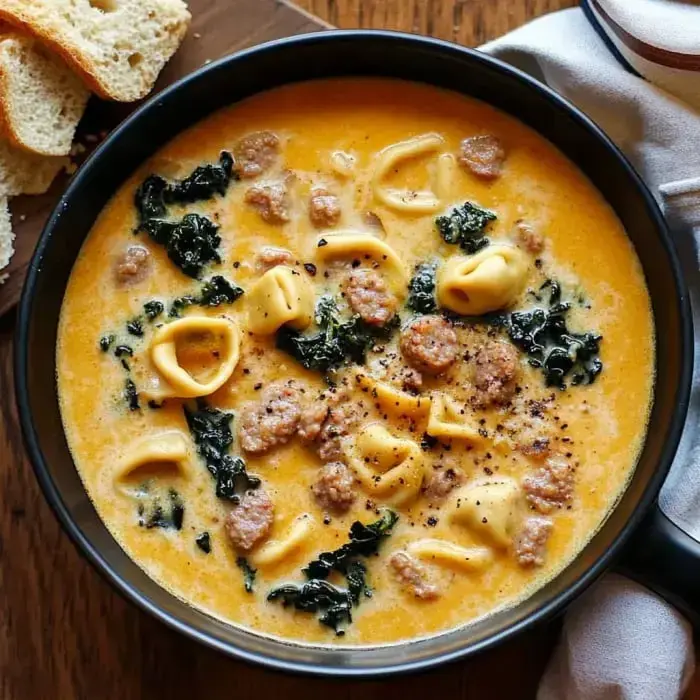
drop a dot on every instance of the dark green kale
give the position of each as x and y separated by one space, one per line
156 515
179 304
191 243
106 342
335 343
217 291
135 327
421 289
544 336
248 573
123 351
203 541
153 309
465 225
131 395
211 431
364 541
155 193
335 603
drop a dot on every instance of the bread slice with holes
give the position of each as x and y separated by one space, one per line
7 237
22 172
41 99
118 47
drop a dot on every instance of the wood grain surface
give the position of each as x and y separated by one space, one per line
64 633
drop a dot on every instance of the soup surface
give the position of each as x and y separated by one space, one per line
381 321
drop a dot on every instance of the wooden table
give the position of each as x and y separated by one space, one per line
65 634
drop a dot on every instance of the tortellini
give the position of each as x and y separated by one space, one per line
170 447
448 421
179 382
445 553
282 296
387 467
488 510
274 551
487 281
389 160
391 399
351 245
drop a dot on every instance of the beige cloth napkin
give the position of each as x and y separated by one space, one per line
637 74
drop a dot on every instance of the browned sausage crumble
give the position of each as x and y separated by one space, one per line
250 520
256 153
269 256
528 237
326 423
324 208
482 155
441 483
429 343
551 486
496 372
133 265
413 576
530 544
271 200
369 297
271 421
335 487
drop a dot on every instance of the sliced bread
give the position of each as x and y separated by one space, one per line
6 236
117 47
41 99
22 172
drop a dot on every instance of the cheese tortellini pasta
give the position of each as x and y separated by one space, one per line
393 400
448 421
350 245
387 467
488 510
449 554
487 281
177 381
168 448
390 159
282 296
274 551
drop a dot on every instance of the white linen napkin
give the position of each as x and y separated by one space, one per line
634 68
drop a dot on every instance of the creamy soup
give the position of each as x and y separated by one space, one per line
354 362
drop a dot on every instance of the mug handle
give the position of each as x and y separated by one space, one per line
665 559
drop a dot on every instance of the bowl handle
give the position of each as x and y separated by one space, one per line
667 560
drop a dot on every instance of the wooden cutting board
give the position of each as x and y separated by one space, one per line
219 27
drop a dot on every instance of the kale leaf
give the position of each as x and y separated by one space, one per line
543 334
335 603
421 289
106 342
248 573
131 395
191 243
157 516
211 431
466 225
153 309
336 341
155 193
135 327
203 541
216 291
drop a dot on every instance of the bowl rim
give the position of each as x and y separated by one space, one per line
549 608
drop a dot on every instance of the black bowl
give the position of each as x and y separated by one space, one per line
320 56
